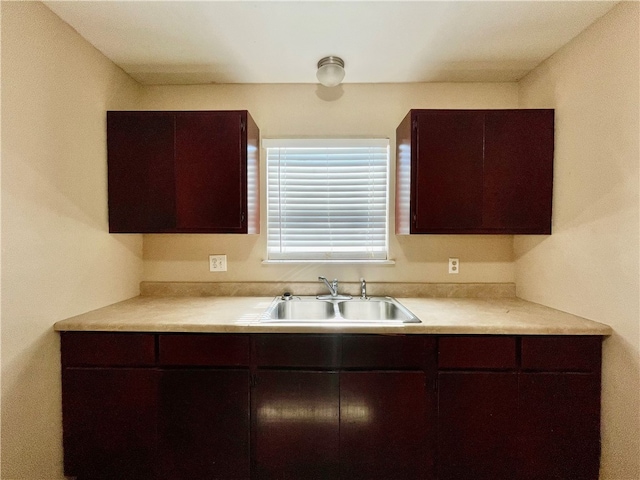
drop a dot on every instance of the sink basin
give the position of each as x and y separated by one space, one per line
375 309
298 308
307 310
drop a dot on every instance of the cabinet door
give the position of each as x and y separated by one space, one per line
141 172
296 425
518 171
109 422
211 172
559 426
447 181
477 412
385 427
204 424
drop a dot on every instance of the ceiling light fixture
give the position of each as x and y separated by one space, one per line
330 71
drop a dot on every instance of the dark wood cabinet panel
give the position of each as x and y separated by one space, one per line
567 353
141 174
475 171
518 170
296 425
211 181
559 426
477 352
387 352
317 351
476 414
447 187
204 424
183 172
387 429
102 349
110 423
196 349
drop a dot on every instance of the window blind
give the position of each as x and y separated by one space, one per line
327 199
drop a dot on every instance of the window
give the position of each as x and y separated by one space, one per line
327 199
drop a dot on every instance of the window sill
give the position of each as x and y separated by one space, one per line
339 262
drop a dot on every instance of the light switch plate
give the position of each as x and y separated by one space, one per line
217 263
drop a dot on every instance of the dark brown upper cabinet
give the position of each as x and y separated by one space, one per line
183 172
475 172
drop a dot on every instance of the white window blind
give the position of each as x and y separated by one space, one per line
327 199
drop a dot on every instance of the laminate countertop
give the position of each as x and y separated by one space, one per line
486 316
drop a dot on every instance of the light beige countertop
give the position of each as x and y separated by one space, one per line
219 314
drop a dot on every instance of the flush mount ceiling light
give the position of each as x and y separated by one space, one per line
330 71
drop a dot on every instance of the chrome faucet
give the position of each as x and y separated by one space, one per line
333 288
363 289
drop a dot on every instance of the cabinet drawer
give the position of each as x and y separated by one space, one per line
386 352
477 352
204 350
565 353
321 351
107 349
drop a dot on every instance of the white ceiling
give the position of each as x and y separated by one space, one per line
178 42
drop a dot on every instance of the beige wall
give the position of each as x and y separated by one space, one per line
305 110
589 266
58 258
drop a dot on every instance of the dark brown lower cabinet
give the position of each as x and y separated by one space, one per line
296 425
110 423
559 426
384 426
476 413
351 425
344 407
231 407
204 424
536 417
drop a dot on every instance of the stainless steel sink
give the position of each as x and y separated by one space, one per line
307 310
375 309
297 308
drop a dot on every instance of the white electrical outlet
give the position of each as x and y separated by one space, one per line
454 265
217 263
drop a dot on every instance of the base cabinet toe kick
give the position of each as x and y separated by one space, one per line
173 406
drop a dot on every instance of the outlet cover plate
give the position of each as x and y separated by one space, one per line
217 263
454 265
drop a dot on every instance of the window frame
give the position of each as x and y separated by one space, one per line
319 143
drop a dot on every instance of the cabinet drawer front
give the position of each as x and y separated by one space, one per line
204 349
386 352
477 352
107 349
566 353
321 351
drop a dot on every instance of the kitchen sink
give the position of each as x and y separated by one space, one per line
300 308
375 309
308 310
